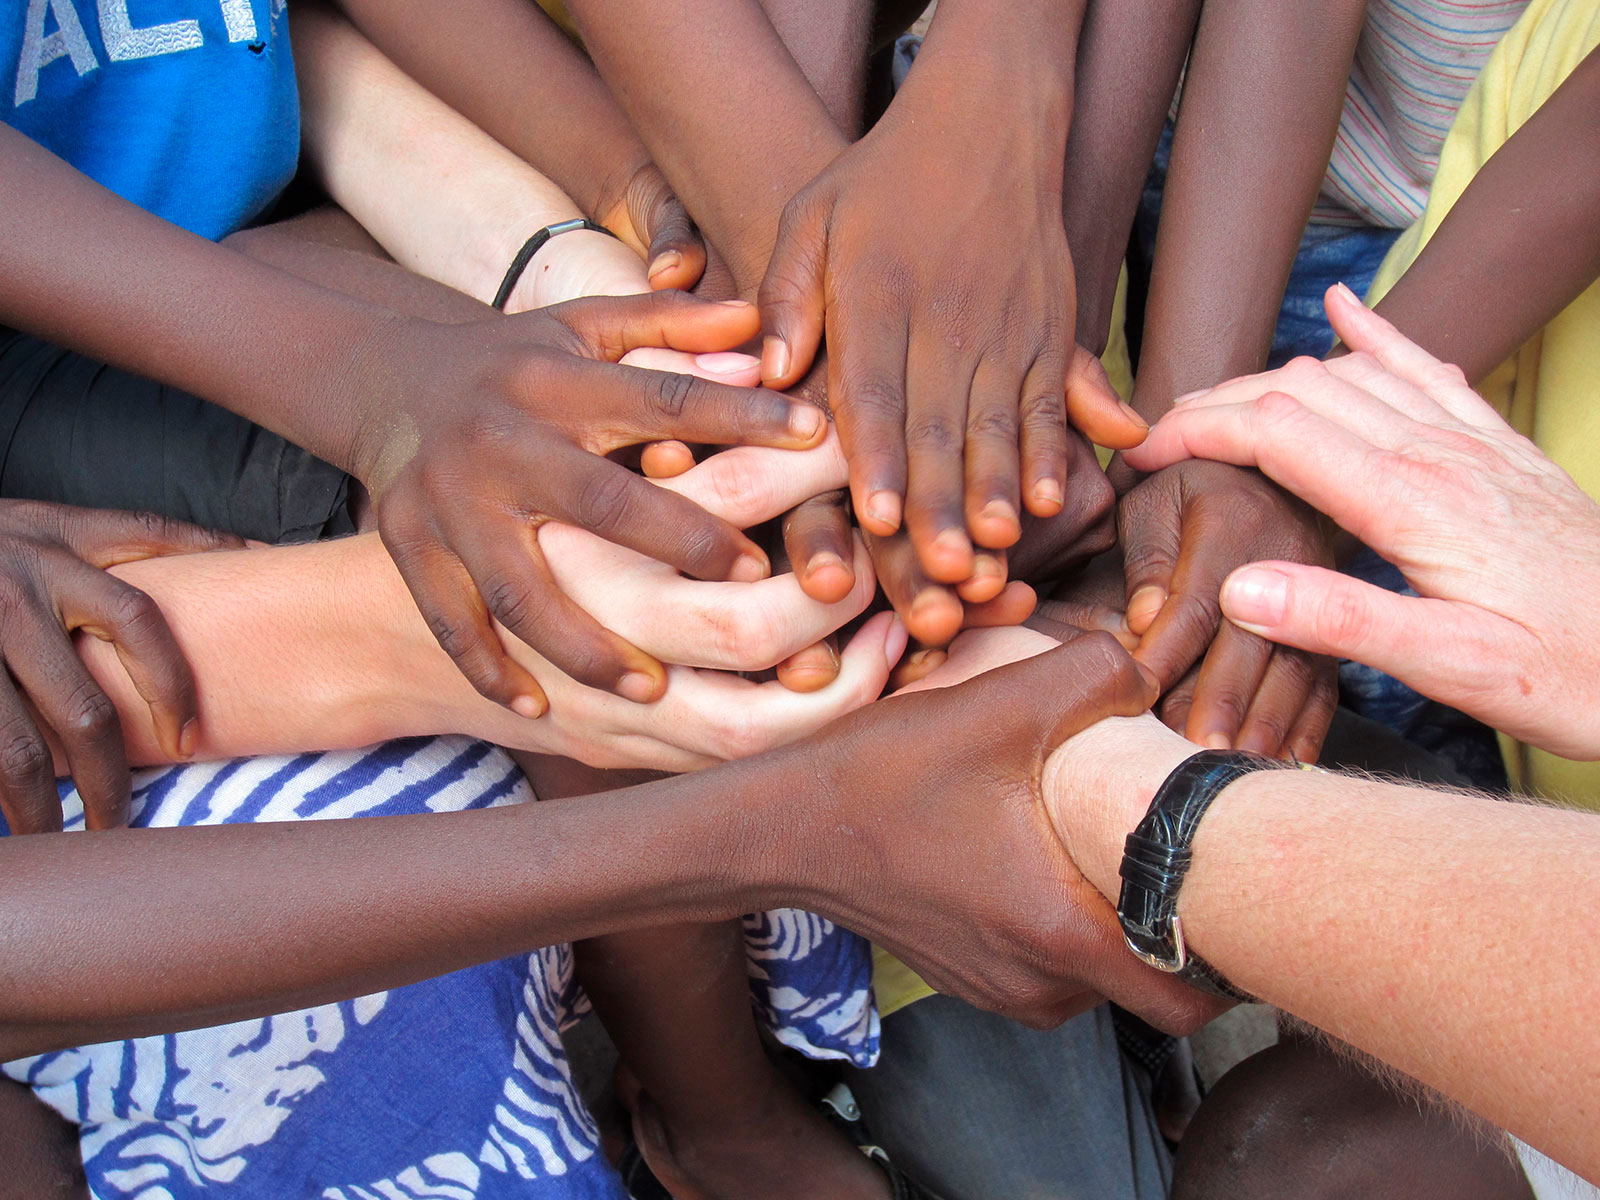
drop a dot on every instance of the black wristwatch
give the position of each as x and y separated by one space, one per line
1156 857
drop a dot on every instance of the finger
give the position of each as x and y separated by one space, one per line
748 485
607 327
1086 616
994 458
104 537
617 505
1151 527
72 703
1435 646
1361 329
1013 606
1348 477
721 366
1304 742
28 794
1295 687
523 595
988 578
817 538
792 294
937 384
1177 700
1095 410
456 614
113 611
867 351
618 406
665 460
1231 673
917 665
677 255
932 612
728 626
1044 435
811 669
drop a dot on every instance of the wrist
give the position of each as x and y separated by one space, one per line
1098 786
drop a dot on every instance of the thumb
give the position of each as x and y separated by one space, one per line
1322 611
610 326
104 538
1151 543
677 255
792 295
1094 408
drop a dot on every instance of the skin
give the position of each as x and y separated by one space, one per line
378 903
1261 102
1415 464
88 270
53 581
1524 231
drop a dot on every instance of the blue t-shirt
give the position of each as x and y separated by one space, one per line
185 107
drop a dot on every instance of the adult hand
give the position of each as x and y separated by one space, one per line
1502 545
495 427
936 263
949 859
1183 530
646 214
53 581
706 715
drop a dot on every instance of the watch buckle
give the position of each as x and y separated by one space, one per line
1171 964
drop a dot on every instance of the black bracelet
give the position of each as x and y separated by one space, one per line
519 264
1156 858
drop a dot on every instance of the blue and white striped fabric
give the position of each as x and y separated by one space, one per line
456 1088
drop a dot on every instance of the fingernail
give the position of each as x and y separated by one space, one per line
666 261
1256 596
1188 396
987 565
1346 293
1150 596
1048 491
636 686
774 357
884 507
1217 741
952 541
723 362
749 569
823 560
188 736
1133 415
806 421
1000 510
735 304
926 603
527 706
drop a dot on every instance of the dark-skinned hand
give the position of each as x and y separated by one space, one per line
1183 530
495 427
945 852
53 580
646 214
936 265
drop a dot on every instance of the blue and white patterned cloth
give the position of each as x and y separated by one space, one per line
456 1088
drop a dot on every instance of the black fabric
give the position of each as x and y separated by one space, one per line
75 431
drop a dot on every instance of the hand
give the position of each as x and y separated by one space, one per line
936 262
1183 530
939 846
646 214
1503 546
495 427
706 715
53 581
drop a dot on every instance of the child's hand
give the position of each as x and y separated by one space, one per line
943 281
651 221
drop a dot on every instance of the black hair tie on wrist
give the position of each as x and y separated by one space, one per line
519 264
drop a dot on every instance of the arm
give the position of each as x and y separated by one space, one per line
1526 231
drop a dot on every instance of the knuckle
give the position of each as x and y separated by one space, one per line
133 613
995 422
24 759
1342 619
931 432
458 639
90 713
875 398
742 486
602 501
1302 371
512 601
672 394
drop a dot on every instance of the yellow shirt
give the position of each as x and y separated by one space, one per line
1550 389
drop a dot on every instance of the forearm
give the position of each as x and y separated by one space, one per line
1426 928
1526 231
506 67
83 267
126 933
1130 57
295 648
733 125
1261 105
441 196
